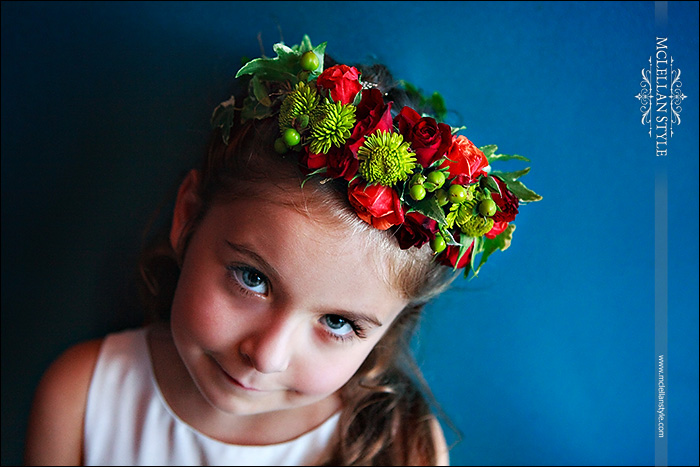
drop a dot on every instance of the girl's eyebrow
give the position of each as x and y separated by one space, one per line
270 270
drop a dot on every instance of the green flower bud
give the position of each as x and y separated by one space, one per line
384 158
469 223
301 101
331 125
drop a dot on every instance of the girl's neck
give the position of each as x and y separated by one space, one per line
185 400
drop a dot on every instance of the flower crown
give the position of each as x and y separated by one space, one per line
409 173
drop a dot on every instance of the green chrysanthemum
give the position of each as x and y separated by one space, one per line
470 224
384 158
331 124
301 101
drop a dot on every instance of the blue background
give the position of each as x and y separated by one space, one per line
547 358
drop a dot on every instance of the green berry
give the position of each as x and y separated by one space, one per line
309 61
442 197
438 243
291 137
280 146
417 192
458 194
487 207
436 178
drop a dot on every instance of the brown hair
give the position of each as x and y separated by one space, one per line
388 408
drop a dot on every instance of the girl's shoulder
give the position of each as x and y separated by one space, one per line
55 431
441 450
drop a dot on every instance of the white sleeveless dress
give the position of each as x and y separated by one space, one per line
128 421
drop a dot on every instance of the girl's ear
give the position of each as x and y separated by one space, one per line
186 207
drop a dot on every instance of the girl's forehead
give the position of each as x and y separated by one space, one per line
308 250
289 217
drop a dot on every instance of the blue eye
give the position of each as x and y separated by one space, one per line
338 326
250 279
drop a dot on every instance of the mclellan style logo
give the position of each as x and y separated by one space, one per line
661 96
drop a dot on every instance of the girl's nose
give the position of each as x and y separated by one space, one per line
269 347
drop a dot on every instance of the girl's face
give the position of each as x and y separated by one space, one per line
274 311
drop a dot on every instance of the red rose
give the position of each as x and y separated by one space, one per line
378 205
342 81
372 114
496 230
342 163
429 139
466 161
449 256
506 201
313 161
416 230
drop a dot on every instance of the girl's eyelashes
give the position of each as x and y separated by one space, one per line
250 279
342 328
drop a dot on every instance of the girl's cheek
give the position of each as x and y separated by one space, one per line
321 379
201 314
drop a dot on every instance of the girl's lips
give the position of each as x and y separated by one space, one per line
234 381
241 385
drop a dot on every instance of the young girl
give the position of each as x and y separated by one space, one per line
328 211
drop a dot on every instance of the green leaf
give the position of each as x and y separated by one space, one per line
488 150
284 67
430 208
305 44
447 235
490 183
283 52
506 157
252 66
322 170
223 117
254 110
465 241
221 111
437 102
268 69
510 176
501 242
516 186
357 99
522 192
477 245
411 90
260 91
452 215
